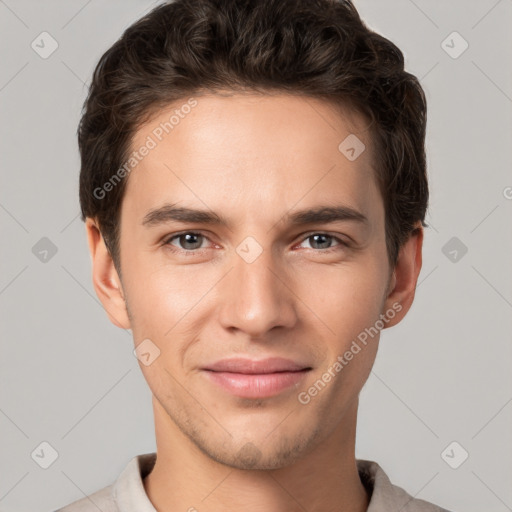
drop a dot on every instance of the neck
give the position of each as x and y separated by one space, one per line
184 478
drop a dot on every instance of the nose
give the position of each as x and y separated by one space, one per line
257 297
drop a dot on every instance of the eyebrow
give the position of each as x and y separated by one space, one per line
319 215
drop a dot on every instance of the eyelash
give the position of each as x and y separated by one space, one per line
168 240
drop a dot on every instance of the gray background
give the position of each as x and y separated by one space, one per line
69 377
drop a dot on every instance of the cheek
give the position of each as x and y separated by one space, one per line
164 300
350 306
342 298
347 297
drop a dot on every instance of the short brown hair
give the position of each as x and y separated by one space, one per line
318 48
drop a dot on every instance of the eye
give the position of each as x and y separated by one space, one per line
188 241
323 241
192 242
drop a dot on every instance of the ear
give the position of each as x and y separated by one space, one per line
105 278
402 286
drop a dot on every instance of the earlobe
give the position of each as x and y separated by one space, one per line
105 278
403 282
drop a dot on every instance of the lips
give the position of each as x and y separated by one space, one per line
248 378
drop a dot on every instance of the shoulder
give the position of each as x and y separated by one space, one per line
385 496
127 493
100 500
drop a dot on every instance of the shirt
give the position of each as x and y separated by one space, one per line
127 494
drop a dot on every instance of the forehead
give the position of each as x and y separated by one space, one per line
236 115
253 151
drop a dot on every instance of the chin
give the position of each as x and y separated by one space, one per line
259 455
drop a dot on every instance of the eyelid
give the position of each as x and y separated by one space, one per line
342 241
166 240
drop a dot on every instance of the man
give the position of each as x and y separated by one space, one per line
254 189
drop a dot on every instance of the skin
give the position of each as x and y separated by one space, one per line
254 159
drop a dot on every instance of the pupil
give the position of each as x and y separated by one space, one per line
325 237
188 240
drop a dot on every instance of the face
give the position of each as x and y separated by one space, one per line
254 261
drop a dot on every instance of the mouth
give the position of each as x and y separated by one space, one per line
248 378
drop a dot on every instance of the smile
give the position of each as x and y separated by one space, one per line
246 378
